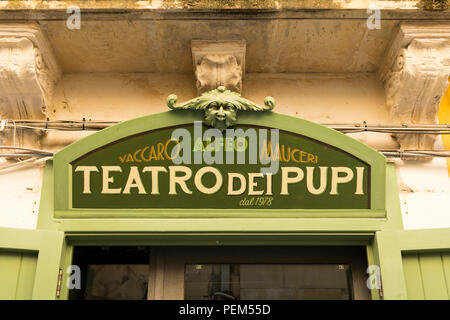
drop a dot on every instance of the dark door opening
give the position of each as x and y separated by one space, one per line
111 273
222 272
268 282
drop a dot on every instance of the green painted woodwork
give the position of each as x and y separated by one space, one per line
17 273
49 260
413 276
427 275
384 238
446 268
46 219
414 263
303 129
39 273
433 277
425 240
220 106
372 259
228 231
380 229
66 261
218 227
389 260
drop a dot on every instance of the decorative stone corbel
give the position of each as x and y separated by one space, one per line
28 74
415 73
218 63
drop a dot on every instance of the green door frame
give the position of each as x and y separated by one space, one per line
384 239
393 244
218 227
221 232
60 227
48 245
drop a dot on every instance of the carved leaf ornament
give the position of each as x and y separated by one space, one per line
220 106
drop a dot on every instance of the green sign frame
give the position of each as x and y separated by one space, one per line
64 158
60 228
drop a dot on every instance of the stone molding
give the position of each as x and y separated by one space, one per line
218 63
28 72
415 74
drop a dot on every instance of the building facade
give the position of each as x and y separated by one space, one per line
117 119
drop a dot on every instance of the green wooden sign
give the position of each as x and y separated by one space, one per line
153 170
144 168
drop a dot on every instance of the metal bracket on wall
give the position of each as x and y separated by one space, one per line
58 286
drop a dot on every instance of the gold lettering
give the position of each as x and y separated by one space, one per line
283 155
302 154
167 145
142 154
153 154
160 151
293 153
130 158
134 156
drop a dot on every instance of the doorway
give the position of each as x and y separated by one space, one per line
222 272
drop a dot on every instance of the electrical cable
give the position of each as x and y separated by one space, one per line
416 153
24 163
389 153
85 125
93 125
27 149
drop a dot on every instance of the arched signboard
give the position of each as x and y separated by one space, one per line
265 165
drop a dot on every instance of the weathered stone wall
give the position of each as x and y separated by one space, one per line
320 65
225 4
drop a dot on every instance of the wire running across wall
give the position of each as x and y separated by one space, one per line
30 154
387 153
94 125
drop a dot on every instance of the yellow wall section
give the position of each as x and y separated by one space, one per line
444 117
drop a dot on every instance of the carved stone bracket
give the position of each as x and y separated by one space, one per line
28 73
218 63
415 73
